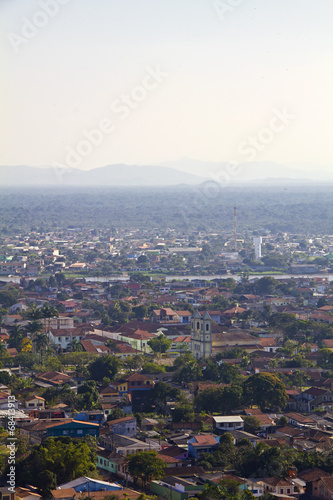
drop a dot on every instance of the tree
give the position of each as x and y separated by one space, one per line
40 342
322 302
227 439
105 366
282 421
8 297
265 390
226 489
134 362
16 337
115 414
266 285
209 400
88 395
34 314
75 346
140 312
187 369
34 326
146 466
153 368
183 412
65 458
251 424
159 344
48 312
47 482
162 392
325 357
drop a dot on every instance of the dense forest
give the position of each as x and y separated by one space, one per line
295 209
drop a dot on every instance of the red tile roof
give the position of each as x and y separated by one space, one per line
136 377
204 440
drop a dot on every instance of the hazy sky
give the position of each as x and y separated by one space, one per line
221 80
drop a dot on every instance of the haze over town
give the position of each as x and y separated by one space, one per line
167 80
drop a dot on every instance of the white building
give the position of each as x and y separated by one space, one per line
63 337
228 423
257 241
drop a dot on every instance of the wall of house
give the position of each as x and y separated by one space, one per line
106 464
162 491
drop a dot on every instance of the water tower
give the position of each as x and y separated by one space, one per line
257 241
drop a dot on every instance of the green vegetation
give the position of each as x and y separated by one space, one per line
273 208
146 466
56 461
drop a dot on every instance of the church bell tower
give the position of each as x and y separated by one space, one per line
201 335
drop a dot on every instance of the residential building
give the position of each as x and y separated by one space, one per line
72 428
94 416
34 402
227 423
126 426
177 488
279 486
126 445
202 443
86 484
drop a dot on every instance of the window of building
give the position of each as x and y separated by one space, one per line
198 325
207 327
139 383
80 431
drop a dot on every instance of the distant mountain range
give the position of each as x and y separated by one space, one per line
110 175
184 171
256 171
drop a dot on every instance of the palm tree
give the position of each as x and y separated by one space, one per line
274 363
34 314
246 360
75 346
33 328
41 343
3 350
16 336
24 383
49 312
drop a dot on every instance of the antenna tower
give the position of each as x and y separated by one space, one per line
235 227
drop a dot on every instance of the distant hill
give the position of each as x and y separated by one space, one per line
255 171
110 175
185 171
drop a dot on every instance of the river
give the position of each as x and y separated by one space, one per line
236 277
